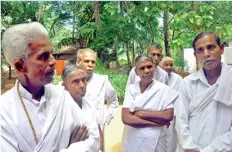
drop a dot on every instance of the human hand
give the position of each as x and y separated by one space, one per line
80 133
138 114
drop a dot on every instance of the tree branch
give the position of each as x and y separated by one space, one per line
181 33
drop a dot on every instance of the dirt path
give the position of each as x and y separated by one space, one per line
113 134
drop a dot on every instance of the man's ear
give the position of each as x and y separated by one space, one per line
194 53
65 88
222 48
20 66
78 63
136 72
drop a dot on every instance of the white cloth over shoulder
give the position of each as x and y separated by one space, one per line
204 117
156 97
98 91
54 118
160 75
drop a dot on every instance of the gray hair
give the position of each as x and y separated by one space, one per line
166 58
81 51
143 57
154 45
67 71
16 40
202 34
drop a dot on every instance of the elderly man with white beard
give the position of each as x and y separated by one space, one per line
204 111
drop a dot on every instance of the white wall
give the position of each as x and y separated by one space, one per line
230 44
227 55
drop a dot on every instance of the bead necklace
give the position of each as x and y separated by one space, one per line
27 114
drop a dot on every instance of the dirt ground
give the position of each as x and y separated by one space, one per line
113 133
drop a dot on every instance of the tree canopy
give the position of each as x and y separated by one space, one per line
116 28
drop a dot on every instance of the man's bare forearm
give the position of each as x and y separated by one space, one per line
156 116
101 138
158 121
129 119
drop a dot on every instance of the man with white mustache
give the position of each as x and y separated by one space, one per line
37 116
204 111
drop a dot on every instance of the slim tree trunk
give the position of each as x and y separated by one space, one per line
194 7
133 53
165 29
74 21
127 54
97 14
40 11
116 50
10 74
152 30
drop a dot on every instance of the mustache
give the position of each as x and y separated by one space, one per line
208 60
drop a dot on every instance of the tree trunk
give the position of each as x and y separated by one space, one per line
127 54
150 22
40 11
97 14
116 52
194 7
133 52
165 29
152 30
74 21
10 75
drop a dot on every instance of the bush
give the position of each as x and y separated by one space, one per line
57 79
117 79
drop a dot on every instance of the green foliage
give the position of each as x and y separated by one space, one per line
57 79
123 22
117 79
88 31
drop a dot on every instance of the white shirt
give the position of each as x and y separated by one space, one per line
208 126
89 110
90 114
156 97
174 81
160 75
99 90
53 118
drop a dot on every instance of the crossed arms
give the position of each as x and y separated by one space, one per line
144 118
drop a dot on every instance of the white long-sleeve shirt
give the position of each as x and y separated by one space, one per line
53 118
99 90
156 97
174 81
203 122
